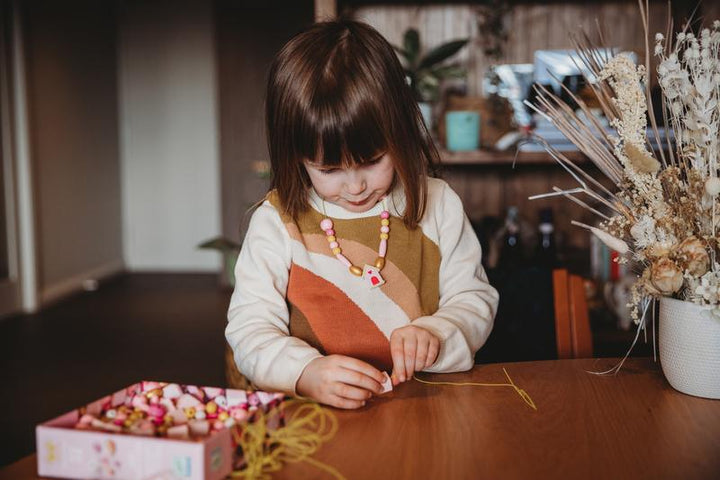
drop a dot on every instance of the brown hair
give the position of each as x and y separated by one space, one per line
337 94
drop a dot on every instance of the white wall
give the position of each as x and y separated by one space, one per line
169 140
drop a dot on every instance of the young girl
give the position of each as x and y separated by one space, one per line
356 262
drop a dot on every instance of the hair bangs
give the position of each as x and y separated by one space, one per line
342 129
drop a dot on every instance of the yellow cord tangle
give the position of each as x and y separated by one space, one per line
523 394
265 450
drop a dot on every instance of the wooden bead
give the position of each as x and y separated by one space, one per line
355 270
331 238
384 236
336 250
379 263
384 222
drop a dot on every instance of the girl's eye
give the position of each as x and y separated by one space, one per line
328 171
374 161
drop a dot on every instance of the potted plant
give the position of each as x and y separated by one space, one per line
426 71
663 212
229 251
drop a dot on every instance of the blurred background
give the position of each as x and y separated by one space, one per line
132 135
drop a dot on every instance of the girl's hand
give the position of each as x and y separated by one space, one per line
339 381
413 349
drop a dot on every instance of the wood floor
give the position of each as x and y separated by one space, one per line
142 326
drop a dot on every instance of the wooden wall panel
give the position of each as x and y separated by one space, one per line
490 190
710 12
531 27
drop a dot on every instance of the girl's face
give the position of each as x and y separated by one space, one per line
355 189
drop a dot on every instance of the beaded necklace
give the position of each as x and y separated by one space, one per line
370 273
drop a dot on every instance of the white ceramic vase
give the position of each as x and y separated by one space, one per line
690 347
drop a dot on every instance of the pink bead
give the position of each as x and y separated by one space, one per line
382 250
334 245
385 214
86 420
213 392
329 232
147 386
140 403
238 413
156 411
326 224
385 229
344 260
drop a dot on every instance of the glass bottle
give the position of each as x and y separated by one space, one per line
511 254
546 250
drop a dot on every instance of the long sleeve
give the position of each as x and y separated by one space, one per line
468 302
258 315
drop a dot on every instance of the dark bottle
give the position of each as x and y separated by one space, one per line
546 251
511 254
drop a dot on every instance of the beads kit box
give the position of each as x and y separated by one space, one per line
152 431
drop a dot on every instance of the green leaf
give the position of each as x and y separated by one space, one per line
429 87
449 71
442 52
220 243
430 80
411 43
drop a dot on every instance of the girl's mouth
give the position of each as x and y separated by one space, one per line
360 203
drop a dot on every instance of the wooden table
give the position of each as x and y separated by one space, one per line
633 425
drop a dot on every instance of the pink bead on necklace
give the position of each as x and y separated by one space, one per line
371 273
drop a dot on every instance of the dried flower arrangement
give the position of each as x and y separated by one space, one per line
662 213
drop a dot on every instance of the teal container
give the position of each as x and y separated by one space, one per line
463 130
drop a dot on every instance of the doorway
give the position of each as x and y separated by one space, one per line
10 301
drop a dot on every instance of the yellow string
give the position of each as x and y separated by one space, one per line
265 450
523 394
308 426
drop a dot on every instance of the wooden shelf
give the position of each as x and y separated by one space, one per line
489 157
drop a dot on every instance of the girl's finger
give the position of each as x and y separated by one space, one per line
350 392
398 357
362 367
358 379
410 346
421 355
345 403
432 353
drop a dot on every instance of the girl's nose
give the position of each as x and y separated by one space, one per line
355 182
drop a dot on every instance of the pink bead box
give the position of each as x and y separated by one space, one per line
64 450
